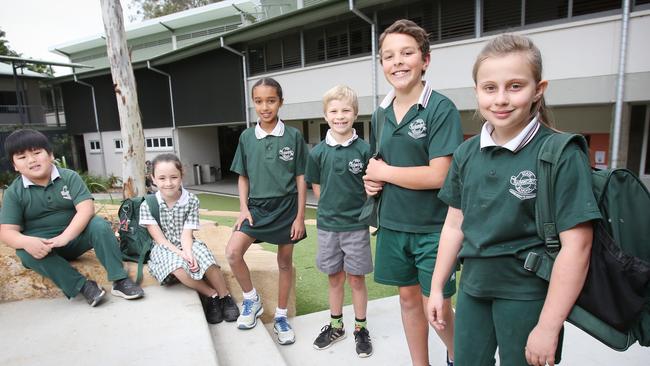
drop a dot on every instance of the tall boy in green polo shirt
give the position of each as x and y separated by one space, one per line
335 167
48 216
419 135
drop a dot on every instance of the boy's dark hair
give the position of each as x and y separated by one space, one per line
26 139
166 158
408 27
269 82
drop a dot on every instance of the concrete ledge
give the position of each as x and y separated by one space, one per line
166 327
245 347
19 283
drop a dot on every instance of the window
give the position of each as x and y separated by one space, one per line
8 102
545 10
582 7
275 54
457 19
95 146
501 14
159 143
118 145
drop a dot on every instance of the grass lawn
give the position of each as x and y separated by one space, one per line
311 284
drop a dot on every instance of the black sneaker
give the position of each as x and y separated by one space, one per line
362 339
92 292
127 289
229 309
212 309
328 336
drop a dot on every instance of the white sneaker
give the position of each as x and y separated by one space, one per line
251 310
284 331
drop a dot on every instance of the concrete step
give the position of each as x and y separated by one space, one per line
390 348
245 347
166 327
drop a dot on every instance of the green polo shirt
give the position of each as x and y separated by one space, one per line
44 212
495 188
339 170
271 163
429 130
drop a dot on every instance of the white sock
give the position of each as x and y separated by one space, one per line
251 295
280 313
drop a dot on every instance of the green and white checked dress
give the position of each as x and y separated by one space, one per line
183 215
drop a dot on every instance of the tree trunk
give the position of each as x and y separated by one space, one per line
127 100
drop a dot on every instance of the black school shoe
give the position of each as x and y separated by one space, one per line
127 289
229 309
92 292
212 309
362 339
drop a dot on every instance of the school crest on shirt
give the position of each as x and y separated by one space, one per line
286 153
355 166
418 129
525 185
65 193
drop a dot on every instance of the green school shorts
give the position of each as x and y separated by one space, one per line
406 259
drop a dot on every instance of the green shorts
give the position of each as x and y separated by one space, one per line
407 259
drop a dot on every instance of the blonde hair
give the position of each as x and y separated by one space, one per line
511 43
343 93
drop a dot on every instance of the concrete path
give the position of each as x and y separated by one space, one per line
390 347
166 327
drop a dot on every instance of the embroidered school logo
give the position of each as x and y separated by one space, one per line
286 154
65 193
355 166
525 185
418 129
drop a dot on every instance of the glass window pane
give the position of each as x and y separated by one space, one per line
457 18
501 14
273 55
314 45
337 41
582 7
545 10
163 142
291 50
256 59
156 143
149 143
170 142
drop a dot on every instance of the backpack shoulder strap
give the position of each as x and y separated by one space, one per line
547 160
154 208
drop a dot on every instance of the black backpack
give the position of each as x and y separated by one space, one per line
614 304
135 241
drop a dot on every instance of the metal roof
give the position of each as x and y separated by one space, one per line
163 24
300 17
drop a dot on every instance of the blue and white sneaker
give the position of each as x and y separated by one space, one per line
251 310
284 331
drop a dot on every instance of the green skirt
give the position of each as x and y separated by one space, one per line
272 219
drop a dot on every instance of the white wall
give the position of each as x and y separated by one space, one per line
112 157
198 145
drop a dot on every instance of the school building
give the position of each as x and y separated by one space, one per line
195 69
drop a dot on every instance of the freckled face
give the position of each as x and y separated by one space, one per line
506 91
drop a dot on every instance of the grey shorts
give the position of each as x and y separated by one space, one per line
346 250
